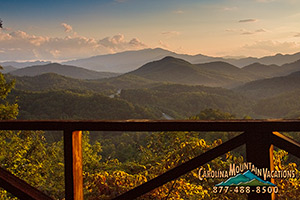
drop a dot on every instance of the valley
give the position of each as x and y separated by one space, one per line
169 87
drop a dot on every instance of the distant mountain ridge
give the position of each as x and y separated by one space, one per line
23 64
131 60
65 70
126 61
273 70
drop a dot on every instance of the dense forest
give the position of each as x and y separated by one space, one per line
115 162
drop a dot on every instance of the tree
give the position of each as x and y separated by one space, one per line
1 25
7 110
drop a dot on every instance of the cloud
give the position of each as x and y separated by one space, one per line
135 42
230 8
68 28
247 20
178 12
118 42
246 32
260 30
231 30
19 45
170 33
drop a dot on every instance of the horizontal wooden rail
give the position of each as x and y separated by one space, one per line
153 125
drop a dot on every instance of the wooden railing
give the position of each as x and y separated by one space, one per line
258 135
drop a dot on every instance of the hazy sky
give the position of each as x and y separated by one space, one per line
61 29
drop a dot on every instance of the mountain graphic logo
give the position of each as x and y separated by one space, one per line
245 179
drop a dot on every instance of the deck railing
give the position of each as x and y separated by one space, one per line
258 135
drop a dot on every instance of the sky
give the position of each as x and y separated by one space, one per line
60 30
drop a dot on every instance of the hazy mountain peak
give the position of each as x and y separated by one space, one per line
172 59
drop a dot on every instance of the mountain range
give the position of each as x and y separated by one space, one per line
214 74
131 60
127 61
175 70
65 70
23 64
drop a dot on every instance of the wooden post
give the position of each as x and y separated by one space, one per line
259 151
73 165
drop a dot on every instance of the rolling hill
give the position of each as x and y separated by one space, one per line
264 71
160 99
174 70
183 101
230 71
269 71
65 70
51 81
285 105
270 87
60 104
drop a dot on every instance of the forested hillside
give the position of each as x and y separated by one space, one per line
63 104
270 87
183 101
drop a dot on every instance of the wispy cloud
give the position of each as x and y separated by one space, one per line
246 32
178 12
247 20
230 8
260 30
170 33
68 28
